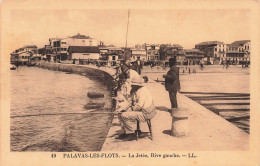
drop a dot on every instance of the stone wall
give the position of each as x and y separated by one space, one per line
93 74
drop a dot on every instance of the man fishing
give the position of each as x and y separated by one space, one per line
140 107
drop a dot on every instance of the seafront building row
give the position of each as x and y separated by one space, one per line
81 47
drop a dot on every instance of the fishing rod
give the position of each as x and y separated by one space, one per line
126 33
66 113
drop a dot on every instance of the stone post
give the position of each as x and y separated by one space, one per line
180 123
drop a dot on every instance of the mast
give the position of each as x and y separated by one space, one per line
126 33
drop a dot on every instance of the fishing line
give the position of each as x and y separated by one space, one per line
68 113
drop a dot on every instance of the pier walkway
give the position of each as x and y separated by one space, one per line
207 131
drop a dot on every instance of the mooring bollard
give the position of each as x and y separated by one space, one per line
180 123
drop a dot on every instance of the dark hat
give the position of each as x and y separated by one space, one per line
172 61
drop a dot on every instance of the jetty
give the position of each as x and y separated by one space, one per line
207 130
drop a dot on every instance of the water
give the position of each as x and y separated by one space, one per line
40 91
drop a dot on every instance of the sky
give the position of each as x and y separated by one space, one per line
186 27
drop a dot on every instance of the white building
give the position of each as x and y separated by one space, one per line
238 52
152 52
83 52
214 51
139 53
60 45
81 40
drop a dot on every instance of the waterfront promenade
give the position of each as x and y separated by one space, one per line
207 131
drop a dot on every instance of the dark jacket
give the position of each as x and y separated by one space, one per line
172 82
137 67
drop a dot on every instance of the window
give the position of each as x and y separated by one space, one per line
215 49
83 40
63 42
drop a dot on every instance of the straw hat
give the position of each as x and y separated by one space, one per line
137 82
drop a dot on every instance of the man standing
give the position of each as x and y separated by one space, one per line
172 82
139 65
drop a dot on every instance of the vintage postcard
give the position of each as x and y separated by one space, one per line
130 82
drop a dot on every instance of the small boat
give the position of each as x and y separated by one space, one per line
13 68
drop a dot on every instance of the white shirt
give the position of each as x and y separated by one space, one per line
142 98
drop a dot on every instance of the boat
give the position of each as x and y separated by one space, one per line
13 68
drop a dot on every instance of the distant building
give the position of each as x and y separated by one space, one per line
238 52
81 40
60 45
152 52
110 52
55 44
24 54
194 56
139 51
103 51
172 51
214 51
83 52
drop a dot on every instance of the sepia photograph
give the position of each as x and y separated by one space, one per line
119 80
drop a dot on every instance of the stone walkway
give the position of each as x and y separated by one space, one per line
207 131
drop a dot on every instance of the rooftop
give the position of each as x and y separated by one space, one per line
30 46
240 42
193 50
79 36
83 49
174 46
210 43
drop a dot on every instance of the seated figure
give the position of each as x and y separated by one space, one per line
139 107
